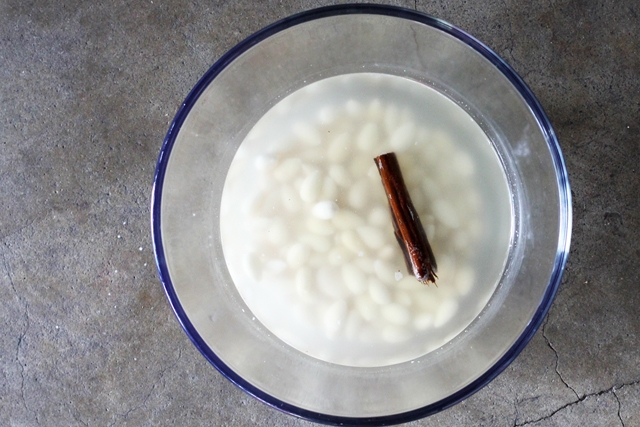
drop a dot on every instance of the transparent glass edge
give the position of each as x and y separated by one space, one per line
565 214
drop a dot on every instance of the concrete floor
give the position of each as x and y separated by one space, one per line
87 90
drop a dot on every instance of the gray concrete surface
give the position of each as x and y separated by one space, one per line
87 90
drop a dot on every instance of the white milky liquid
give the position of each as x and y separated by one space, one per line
307 232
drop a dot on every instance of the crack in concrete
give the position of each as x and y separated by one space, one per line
72 410
21 365
516 402
17 359
21 337
125 415
515 407
613 390
548 341
582 399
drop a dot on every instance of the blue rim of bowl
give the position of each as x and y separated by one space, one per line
565 216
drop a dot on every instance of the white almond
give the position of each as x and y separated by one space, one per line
329 189
445 213
371 236
403 137
422 321
366 307
359 195
338 148
345 219
329 282
253 266
316 242
339 175
319 226
334 318
353 107
353 325
325 209
379 292
368 137
464 280
287 169
297 255
278 233
311 186
391 118
396 314
305 285
307 134
354 278
339 255
290 199
351 241
395 334
463 164
384 271
445 313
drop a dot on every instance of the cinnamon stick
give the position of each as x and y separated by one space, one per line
406 223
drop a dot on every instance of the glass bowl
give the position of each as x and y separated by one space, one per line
215 118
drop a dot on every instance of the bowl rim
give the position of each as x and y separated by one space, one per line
565 214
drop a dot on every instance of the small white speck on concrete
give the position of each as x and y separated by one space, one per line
140 248
119 236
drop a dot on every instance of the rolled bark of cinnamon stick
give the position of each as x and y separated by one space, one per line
406 222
